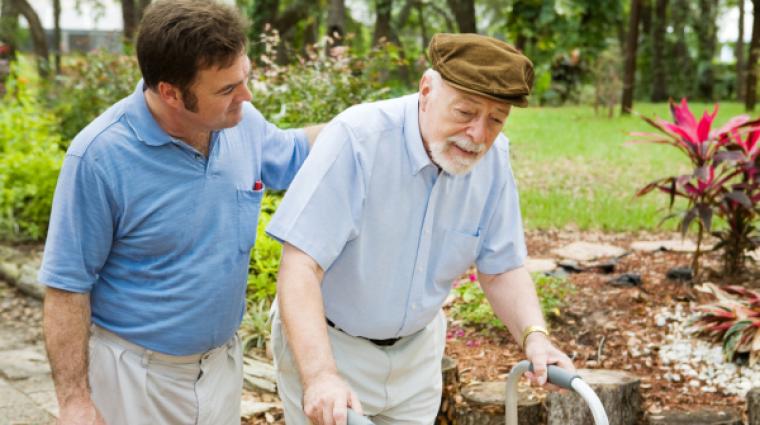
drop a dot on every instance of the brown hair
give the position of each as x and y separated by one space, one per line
178 38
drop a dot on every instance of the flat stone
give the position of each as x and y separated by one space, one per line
626 279
586 251
674 245
17 408
698 417
9 271
683 274
250 408
27 282
23 364
540 265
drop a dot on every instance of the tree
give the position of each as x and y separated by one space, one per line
383 30
464 12
706 28
629 73
659 30
39 42
680 62
57 35
739 53
754 54
131 14
336 21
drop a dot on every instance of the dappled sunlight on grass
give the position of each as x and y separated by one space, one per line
575 168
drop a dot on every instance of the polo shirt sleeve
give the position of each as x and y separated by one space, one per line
321 210
283 153
503 247
81 228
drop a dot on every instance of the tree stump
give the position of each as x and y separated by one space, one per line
753 406
617 390
483 404
447 411
699 417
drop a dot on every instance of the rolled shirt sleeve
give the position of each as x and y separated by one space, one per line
81 228
322 208
503 247
283 152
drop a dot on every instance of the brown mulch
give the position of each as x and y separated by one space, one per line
600 318
597 321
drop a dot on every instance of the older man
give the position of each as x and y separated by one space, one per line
407 194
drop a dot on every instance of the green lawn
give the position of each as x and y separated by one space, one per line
575 169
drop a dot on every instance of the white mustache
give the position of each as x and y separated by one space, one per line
466 144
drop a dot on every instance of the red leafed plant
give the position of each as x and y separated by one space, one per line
733 319
724 182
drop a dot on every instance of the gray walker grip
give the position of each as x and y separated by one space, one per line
559 377
357 419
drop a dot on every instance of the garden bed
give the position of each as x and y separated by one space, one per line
626 325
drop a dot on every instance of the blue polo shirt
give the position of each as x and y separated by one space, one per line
391 233
158 234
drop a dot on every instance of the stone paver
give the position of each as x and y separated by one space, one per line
540 265
674 245
586 251
23 363
16 408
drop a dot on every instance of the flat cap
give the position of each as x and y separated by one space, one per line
483 65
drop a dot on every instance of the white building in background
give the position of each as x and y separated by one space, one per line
94 24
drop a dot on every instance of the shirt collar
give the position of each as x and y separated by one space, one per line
142 121
418 158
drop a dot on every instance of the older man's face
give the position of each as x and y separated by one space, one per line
458 127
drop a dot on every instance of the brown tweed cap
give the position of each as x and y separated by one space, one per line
483 65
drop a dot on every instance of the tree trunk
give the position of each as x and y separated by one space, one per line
696 417
681 63
618 391
140 10
464 13
483 404
707 38
57 35
423 28
754 54
739 53
336 21
447 410
383 10
128 16
629 75
38 36
753 406
9 25
659 29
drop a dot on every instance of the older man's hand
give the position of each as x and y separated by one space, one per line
541 352
326 399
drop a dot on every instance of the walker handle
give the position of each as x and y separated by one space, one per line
558 376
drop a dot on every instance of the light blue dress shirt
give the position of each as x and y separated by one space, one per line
390 232
159 234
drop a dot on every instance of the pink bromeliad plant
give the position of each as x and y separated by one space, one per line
724 182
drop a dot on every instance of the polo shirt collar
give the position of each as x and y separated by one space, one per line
141 120
418 158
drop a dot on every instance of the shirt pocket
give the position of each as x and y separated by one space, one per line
458 252
249 204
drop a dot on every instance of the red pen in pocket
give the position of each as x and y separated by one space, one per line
258 185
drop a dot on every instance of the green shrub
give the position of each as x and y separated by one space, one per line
89 85
29 163
319 86
472 308
262 278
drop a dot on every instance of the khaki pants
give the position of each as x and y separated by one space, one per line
134 386
400 384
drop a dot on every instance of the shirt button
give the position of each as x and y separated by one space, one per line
198 156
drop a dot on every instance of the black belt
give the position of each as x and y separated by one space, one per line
380 342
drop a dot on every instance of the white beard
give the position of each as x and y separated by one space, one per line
440 153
